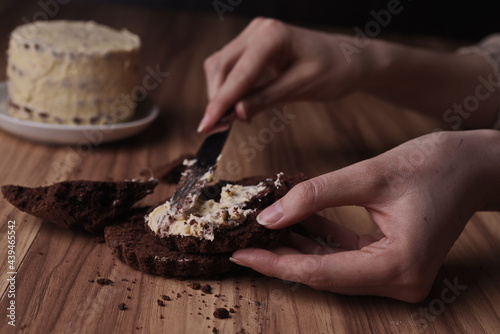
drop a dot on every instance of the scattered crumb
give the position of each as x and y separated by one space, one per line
129 289
104 281
221 313
128 297
231 310
206 288
122 307
160 302
215 330
195 285
41 253
124 280
165 297
162 316
257 303
91 281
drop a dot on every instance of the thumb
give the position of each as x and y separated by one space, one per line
353 185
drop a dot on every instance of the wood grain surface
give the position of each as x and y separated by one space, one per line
53 292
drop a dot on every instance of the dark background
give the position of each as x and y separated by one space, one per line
458 19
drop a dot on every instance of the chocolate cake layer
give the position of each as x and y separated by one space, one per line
133 245
87 205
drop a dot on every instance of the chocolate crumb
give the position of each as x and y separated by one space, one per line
162 316
179 295
128 297
129 289
122 307
104 281
215 330
221 313
231 310
165 297
91 281
160 303
124 280
206 288
195 285
257 303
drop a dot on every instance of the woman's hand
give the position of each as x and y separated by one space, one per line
420 194
271 62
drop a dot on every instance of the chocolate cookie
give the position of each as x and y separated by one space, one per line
248 233
88 205
133 245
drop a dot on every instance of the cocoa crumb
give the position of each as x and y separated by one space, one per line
165 297
161 316
231 310
160 303
206 288
104 281
195 285
215 331
91 281
221 313
122 307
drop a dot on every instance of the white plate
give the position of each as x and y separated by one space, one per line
74 134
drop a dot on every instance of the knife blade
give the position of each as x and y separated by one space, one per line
195 177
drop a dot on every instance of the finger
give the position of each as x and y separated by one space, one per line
242 78
330 232
219 64
307 245
291 85
351 272
352 185
283 250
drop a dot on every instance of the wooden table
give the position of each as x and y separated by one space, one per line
52 289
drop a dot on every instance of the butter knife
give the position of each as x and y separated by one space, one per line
198 173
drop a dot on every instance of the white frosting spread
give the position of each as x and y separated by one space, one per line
203 216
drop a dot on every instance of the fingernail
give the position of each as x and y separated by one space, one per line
232 259
271 215
242 111
202 125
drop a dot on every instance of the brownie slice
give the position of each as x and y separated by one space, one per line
133 245
88 205
247 234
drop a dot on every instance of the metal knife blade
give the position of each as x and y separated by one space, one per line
192 180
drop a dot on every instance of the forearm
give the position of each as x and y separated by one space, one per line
451 87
